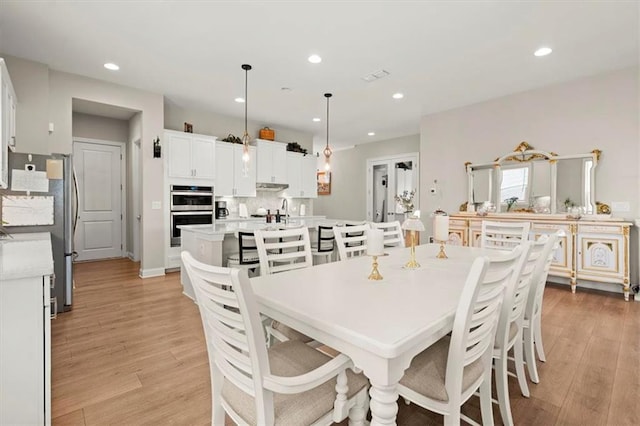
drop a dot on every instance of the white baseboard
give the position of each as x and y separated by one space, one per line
153 272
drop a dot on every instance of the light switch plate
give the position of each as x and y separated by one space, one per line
156 205
620 206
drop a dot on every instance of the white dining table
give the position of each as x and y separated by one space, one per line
380 325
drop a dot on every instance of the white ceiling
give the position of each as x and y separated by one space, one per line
440 54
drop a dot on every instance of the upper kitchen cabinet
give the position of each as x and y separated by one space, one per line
190 157
301 176
230 179
8 104
271 161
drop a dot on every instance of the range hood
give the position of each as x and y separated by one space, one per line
271 187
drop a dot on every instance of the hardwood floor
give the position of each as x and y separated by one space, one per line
132 352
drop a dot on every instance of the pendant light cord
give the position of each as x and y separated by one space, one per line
327 121
246 69
327 150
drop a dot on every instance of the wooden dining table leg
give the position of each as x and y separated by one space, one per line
384 404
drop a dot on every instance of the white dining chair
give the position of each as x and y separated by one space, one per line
288 383
447 374
393 236
503 235
532 323
509 334
351 240
282 250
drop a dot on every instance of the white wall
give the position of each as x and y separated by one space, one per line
348 199
213 124
575 117
52 102
103 128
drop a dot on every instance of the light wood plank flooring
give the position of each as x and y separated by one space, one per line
132 352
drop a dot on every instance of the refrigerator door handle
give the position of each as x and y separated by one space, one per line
76 206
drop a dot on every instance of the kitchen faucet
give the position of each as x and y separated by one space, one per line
285 209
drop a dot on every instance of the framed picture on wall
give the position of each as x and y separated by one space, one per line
324 183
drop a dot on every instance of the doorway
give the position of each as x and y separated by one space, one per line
99 167
388 177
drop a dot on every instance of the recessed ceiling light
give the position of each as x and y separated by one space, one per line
543 51
239 100
111 66
398 96
316 119
315 59
371 134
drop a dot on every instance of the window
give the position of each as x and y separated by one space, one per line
515 183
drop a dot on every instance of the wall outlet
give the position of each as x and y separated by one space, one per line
620 206
156 205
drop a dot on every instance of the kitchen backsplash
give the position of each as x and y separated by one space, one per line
269 201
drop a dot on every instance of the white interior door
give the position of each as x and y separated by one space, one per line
99 173
388 177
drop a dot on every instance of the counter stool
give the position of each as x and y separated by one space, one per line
247 256
324 245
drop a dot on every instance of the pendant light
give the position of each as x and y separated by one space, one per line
245 137
327 151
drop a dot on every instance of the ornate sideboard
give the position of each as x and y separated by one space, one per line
590 250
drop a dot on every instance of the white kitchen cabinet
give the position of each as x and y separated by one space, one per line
8 103
230 179
271 159
26 267
301 176
190 157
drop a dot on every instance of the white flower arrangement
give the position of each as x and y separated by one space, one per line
406 200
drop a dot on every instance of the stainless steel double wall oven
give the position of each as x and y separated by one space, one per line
190 205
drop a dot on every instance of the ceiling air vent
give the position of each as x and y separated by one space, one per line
376 75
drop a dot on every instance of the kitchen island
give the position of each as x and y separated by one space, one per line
211 244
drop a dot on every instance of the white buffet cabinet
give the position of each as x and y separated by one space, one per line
591 249
26 268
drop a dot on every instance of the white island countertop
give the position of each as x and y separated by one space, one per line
26 255
223 227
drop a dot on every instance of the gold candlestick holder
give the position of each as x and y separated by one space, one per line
375 274
441 254
412 263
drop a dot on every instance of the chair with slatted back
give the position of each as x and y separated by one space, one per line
324 246
447 374
288 383
247 256
532 324
351 240
392 233
510 326
283 250
503 235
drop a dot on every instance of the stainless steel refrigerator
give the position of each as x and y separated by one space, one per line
62 231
